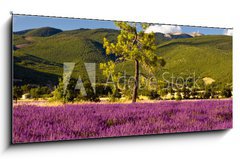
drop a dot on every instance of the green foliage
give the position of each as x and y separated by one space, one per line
206 56
154 95
17 92
185 55
132 45
44 90
25 88
178 95
163 92
207 94
115 96
194 93
19 39
43 32
58 93
45 55
226 92
91 95
136 46
34 70
127 94
41 61
72 94
67 95
35 93
39 92
103 90
109 71
186 92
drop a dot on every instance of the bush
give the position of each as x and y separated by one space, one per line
44 90
226 92
127 93
178 96
17 92
207 94
35 93
91 96
186 92
194 93
115 96
102 90
65 96
154 95
163 92
25 89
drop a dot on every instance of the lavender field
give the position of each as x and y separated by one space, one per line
32 123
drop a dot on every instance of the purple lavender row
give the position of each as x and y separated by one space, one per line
39 124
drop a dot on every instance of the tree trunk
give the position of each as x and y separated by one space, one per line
136 78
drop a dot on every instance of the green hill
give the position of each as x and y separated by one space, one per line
22 32
41 54
206 56
41 32
77 46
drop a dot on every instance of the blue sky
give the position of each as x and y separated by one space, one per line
21 22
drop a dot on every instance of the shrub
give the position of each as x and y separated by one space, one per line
35 93
178 96
154 95
17 92
207 94
102 90
226 92
186 92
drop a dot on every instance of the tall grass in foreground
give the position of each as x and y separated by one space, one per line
37 124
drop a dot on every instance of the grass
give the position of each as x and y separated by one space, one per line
43 32
207 56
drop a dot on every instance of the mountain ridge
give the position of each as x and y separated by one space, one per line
39 32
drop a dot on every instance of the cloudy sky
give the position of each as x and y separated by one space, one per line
28 22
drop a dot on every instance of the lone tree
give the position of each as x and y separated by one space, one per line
134 44
17 93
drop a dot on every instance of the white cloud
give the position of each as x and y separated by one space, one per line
228 32
165 29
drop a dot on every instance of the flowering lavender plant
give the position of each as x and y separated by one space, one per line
32 123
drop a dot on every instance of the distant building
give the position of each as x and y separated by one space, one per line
26 96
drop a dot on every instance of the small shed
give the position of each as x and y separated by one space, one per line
26 96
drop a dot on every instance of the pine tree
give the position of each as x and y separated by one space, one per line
136 46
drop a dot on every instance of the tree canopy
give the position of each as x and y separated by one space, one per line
134 44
